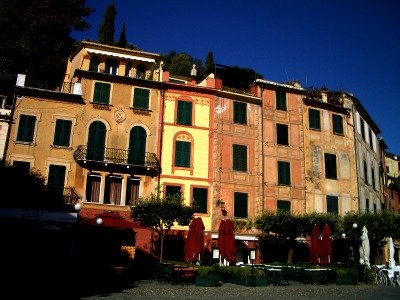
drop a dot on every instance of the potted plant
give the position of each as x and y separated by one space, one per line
207 275
247 276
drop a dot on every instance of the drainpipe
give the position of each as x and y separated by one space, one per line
356 152
262 150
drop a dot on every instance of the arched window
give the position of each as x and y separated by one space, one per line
96 141
137 146
94 64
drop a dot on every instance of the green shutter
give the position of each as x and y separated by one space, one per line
102 93
137 146
240 205
283 173
96 141
283 205
56 176
26 128
239 157
200 200
141 98
184 113
332 204
337 121
172 191
314 119
281 100
239 112
182 154
62 133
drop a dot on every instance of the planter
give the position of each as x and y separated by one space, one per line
211 280
248 281
346 281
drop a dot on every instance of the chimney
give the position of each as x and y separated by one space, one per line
21 80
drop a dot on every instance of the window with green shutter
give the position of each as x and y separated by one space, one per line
283 205
314 120
239 157
337 124
281 100
240 205
182 154
141 98
184 113
26 128
332 204
56 179
239 112
96 141
282 137
102 93
172 191
283 173
137 146
330 166
62 133
200 200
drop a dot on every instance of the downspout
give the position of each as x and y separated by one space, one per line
262 151
356 153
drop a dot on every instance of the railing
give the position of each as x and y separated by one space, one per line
117 156
68 195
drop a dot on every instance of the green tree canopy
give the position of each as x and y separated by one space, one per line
36 41
160 214
122 42
209 64
107 27
32 192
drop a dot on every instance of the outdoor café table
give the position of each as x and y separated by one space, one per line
318 276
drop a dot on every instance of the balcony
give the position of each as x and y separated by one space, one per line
117 161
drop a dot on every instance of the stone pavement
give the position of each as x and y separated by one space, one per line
153 290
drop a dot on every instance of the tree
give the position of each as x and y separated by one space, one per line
34 193
288 226
122 42
107 27
35 40
160 214
210 64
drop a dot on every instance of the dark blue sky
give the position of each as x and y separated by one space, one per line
348 45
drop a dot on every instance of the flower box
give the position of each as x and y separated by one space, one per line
346 281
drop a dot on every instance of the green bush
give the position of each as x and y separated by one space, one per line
346 272
369 275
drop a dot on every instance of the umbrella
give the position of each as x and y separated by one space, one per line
391 262
194 241
364 247
326 245
226 241
315 245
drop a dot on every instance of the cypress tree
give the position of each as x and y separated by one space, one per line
107 27
210 63
122 38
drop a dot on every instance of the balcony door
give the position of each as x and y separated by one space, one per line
137 146
96 141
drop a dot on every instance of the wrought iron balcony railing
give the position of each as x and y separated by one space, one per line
118 157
